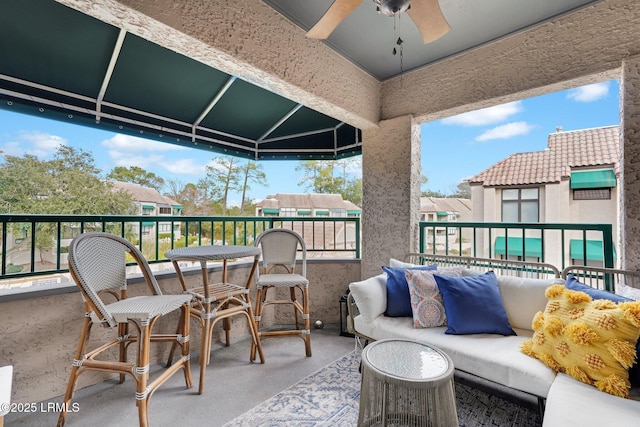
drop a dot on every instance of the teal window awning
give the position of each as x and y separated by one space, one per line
177 207
271 211
148 223
604 178
532 246
441 213
354 212
322 213
304 212
595 250
148 207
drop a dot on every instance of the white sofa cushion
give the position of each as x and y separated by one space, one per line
572 403
370 296
523 298
494 357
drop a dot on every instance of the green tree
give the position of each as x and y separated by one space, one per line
67 184
252 173
463 190
222 177
192 198
136 175
331 176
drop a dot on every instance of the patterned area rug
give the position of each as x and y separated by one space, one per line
330 396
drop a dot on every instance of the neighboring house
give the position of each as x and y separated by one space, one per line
307 205
573 181
149 202
317 234
451 209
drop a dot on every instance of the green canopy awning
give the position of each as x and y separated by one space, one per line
354 212
62 64
604 178
270 211
322 213
304 212
595 250
148 207
441 213
532 246
148 223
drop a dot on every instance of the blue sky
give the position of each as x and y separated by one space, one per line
453 149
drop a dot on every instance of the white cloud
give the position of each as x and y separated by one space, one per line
40 144
486 116
183 166
589 93
127 159
129 143
506 131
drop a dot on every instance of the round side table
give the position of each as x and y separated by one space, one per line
406 383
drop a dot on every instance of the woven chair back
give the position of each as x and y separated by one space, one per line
280 248
98 263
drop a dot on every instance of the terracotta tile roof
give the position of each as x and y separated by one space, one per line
566 150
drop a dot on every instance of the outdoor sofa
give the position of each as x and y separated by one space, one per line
495 357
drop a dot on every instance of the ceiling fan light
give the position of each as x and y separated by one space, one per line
392 7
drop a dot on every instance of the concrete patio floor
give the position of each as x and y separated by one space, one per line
233 386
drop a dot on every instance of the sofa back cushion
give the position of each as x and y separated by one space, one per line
370 296
523 298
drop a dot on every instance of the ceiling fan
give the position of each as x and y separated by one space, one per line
426 14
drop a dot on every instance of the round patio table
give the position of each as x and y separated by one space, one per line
406 383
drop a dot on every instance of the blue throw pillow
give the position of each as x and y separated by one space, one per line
398 298
573 284
473 305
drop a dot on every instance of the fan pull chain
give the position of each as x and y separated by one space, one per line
399 42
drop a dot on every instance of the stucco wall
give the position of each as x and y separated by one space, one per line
40 335
391 192
630 163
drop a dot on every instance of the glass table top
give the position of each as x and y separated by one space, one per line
406 359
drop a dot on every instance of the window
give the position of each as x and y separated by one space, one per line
164 228
520 205
338 212
146 229
165 211
592 194
288 211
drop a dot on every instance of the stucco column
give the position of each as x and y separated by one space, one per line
630 163
391 192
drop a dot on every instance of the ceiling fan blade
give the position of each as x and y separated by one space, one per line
339 10
428 17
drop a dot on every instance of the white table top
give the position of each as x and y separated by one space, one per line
404 359
211 253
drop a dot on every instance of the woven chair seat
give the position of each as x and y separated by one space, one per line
146 307
282 280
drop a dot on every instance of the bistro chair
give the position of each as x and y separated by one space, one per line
97 263
279 252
